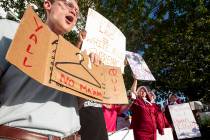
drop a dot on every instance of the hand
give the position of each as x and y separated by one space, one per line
95 59
82 36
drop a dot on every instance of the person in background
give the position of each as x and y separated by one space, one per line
172 100
110 115
161 119
124 120
143 120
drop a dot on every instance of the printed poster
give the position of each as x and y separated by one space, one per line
139 67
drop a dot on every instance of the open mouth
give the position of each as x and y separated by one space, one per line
69 19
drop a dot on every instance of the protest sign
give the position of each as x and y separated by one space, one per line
124 134
196 105
139 67
56 63
168 135
184 122
105 39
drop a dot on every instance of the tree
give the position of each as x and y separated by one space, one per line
179 49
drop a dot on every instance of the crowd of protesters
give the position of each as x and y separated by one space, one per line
146 116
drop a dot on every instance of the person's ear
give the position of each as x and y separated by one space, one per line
47 5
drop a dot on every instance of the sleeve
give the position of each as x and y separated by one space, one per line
167 125
4 45
160 123
118 108
134 105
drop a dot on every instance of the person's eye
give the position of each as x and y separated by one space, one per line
70 5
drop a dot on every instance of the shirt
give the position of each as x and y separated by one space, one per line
29 105
110 116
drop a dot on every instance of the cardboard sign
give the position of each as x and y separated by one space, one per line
56 63
168 135
184 122
104 39
139 67
122 135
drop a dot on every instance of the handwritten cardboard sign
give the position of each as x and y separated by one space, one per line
105 39
184 122
139 67
56 63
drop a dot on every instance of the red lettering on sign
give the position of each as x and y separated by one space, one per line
38 26
25 61
113 72
90 91
66 80
33 37
114 81
29 47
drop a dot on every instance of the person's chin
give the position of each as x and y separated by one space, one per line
68 27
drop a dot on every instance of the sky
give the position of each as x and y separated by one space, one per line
2 13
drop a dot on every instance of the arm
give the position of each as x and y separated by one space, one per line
93 57
82 36
1 72
4 45
134 85
160 123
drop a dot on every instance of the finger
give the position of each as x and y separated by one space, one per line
97 59
91 57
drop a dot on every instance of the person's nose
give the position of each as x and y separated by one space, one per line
73 11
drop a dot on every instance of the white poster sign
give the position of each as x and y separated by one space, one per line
139 66
122 135
168 135
184 122
104 39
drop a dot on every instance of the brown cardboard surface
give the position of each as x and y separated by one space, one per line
55 62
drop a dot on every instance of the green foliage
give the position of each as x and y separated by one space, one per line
180 46
205 121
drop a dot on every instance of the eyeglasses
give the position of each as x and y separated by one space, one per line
70 5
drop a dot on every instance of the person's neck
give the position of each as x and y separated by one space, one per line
53 28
